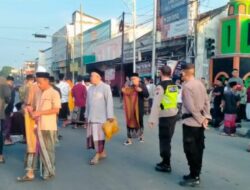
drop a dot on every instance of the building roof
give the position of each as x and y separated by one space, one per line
87 16
212 13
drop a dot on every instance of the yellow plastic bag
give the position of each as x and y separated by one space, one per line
110 128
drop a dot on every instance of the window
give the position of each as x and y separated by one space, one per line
231 10
242 9
248 35
228 35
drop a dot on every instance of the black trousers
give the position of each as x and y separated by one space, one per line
193 142
1 136
217 116
166 132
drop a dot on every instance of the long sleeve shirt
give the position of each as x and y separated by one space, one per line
99 106
195 102
156 111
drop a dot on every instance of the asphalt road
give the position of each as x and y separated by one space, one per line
226 164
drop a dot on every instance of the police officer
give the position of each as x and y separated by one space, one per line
164 111
196 112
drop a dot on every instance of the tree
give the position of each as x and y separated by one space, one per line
6 71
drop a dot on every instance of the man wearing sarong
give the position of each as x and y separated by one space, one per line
99 109
133 97
47 106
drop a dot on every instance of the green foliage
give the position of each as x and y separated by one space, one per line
6 71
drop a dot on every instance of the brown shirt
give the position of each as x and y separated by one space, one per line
195 102
47 100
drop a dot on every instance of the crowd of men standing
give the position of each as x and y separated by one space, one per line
46 106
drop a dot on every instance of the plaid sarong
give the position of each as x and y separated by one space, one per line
95 137
229 123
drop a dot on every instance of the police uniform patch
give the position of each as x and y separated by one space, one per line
157 90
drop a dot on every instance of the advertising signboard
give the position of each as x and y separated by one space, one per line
173 18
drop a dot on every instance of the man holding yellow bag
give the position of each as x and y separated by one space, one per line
99 109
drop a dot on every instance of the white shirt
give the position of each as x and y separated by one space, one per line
64 88
151 90
99 106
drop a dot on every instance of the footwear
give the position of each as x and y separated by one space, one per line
8 143
25 178
2 161
127 143
248 148
191 182
162 167
187 177
103 155
46 178
60 137
224 134
141 140
94 161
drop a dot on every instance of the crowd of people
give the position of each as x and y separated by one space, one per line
46 105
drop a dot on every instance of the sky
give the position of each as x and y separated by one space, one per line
19 19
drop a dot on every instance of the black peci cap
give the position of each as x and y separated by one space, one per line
134 75
99 72
42 75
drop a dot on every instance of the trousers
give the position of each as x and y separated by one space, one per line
194 144
166 132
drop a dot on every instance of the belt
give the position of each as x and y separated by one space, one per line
189 115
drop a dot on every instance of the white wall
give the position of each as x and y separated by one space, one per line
45 59
208 28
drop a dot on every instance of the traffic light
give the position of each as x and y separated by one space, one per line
210 47
40 35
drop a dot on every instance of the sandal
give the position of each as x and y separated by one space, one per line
2 161
94 161
127 143
25 178
141 140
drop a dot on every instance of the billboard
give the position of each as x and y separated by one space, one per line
173 18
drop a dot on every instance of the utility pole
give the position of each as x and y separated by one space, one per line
73 52
134 35
121 29
154 41
81 39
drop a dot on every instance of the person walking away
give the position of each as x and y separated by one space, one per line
164 111
79 93
65 90
134 108
99 109
196 113
217 95
230 104
5 93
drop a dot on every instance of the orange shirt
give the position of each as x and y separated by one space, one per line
49 99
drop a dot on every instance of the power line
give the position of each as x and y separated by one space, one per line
23 40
